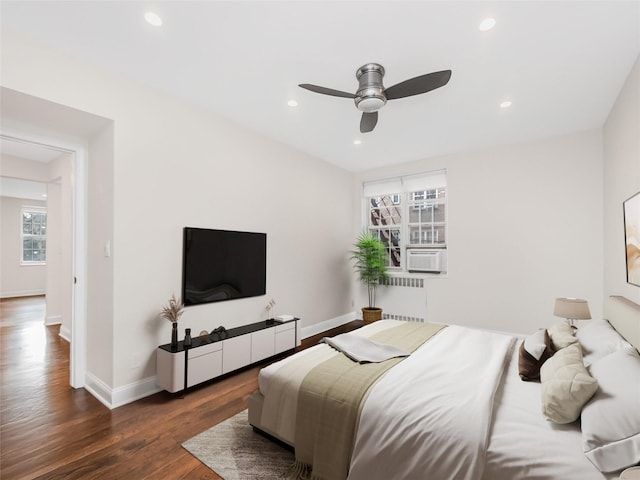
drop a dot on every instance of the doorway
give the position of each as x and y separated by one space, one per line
60 165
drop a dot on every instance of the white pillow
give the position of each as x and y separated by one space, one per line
561 335
566 385
598 339
611 420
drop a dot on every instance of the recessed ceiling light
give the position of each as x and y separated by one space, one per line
506 104
44 195
292 103
153 19
487 24
357 142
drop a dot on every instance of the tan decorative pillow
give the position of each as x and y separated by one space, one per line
566 385
562 335
534 351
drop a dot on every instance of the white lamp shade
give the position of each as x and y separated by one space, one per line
572 308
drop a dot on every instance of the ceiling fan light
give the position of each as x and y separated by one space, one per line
370 104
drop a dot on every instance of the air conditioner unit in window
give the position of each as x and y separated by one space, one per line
424 260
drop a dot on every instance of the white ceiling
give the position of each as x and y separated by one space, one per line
28 151
17 188
561 63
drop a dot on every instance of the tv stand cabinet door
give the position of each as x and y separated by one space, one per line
236 353
263 344
204 364
285 337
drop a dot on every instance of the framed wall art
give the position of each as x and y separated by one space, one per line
631 211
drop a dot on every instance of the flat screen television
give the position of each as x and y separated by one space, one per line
220 265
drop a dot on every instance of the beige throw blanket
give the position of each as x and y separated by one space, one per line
364 350
330 398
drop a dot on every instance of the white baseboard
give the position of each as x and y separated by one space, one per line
53 319
98 389
116 397
317 328
65 333
134 391
22 293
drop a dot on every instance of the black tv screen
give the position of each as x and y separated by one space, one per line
222 265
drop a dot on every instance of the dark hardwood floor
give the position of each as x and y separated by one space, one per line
49 430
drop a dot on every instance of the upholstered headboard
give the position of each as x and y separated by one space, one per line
624 315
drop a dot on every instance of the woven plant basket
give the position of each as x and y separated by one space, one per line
370 315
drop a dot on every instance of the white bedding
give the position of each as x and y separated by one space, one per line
441 398
445 423
524 445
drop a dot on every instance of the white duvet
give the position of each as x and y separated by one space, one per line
441 399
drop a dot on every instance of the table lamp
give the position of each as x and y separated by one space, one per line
572 309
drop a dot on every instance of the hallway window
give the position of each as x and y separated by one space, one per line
34 235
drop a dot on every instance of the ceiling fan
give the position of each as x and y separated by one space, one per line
371 94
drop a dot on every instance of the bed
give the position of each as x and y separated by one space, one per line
457 407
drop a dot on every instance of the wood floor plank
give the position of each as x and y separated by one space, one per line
49 430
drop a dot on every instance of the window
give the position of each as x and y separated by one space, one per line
34 235
407 212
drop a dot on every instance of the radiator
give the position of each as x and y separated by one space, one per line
403 298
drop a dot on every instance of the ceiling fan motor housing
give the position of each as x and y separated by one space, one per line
370 96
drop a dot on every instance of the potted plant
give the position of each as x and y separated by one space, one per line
371 258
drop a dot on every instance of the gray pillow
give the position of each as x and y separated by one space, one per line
566 385
561 335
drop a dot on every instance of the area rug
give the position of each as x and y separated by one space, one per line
235 452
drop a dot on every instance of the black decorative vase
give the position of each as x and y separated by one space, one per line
187 338
174 337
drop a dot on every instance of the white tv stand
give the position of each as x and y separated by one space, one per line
215 355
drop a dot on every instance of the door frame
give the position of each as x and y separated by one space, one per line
78 151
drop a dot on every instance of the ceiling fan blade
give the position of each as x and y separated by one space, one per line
326 91
368 121
418 85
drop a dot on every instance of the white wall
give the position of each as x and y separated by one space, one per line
100 325
15 279
525 227
60 243
174 164
621 181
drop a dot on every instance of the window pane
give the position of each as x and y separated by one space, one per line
439 213
385 210
34 240
26 223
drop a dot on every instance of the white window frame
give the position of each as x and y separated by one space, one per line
404 186
23 236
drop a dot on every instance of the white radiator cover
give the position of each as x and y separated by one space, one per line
403 298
